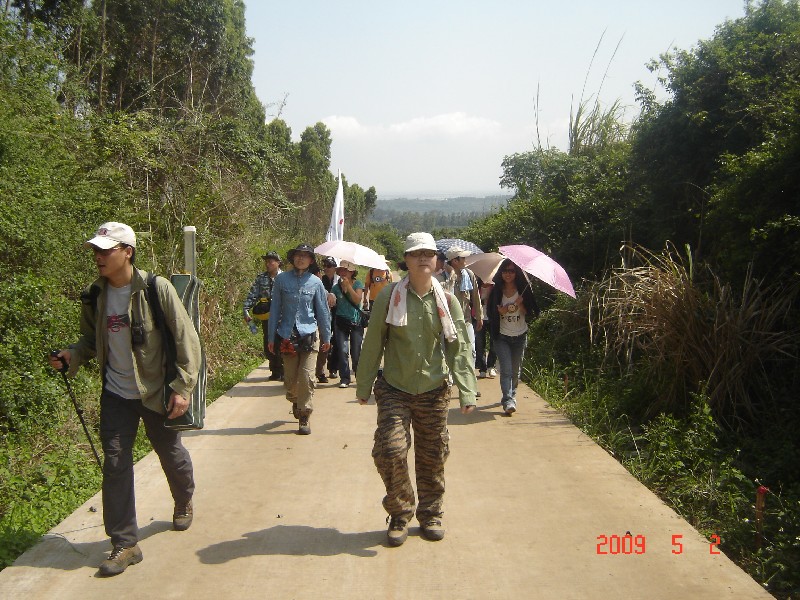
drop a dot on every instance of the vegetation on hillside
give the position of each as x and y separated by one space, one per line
144 113
680 355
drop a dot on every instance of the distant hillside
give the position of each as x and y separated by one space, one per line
462 204
429 214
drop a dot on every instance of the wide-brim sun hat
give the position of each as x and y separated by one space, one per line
112 234
300 248
420 241
346 264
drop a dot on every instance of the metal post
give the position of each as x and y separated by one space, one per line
189 249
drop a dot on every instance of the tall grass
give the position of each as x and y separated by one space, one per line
689 330
641 363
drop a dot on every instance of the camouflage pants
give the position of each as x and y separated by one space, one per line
397 413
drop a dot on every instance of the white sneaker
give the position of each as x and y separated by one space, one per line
492 373
344 385
482 375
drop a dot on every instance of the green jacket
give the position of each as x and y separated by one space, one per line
149 357
415 357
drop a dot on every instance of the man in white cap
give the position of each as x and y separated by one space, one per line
464 285
420 333
118 327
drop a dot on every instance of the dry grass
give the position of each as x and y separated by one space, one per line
691 333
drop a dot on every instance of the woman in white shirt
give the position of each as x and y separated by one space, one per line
511 305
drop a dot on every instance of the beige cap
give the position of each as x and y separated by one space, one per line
456 252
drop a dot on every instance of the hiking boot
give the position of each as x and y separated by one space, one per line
482 375
182 516
119 559
492 373
432 529
322 379
398 530
305 428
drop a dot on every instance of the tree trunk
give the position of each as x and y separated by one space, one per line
101 100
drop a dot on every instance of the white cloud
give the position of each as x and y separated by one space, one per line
449 125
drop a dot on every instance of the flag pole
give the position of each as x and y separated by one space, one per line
336 227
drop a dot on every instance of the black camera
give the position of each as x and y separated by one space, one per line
137 334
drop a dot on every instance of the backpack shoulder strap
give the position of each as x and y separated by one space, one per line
155 302
89 296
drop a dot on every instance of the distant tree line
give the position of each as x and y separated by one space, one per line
408 221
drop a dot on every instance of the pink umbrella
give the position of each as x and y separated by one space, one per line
540 266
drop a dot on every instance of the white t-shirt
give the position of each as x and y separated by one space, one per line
120 379
512 323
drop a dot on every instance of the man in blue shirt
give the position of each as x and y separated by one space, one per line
299 310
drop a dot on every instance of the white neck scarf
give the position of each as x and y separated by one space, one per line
397 314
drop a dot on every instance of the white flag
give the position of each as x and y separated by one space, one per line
336 228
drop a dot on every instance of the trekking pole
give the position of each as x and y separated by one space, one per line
63 370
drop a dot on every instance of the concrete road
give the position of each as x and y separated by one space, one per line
534 509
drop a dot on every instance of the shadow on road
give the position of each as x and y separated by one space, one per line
479 415
294 540
78 555
274 389
266 428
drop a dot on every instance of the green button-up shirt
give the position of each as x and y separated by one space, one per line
414 359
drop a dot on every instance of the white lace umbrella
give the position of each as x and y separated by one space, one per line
352 252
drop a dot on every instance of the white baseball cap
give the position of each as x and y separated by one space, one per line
420 241
110 234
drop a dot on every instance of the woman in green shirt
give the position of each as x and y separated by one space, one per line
348 331
420 332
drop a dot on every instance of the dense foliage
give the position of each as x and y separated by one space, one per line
680 355
141 112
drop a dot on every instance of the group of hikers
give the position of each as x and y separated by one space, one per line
421 340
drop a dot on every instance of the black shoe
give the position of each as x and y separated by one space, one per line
119 560
275 377
322 378
333 375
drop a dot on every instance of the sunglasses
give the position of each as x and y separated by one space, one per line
106 251
422 253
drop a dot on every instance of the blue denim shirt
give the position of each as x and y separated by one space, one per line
300 300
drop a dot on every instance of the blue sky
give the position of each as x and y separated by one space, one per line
426 98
